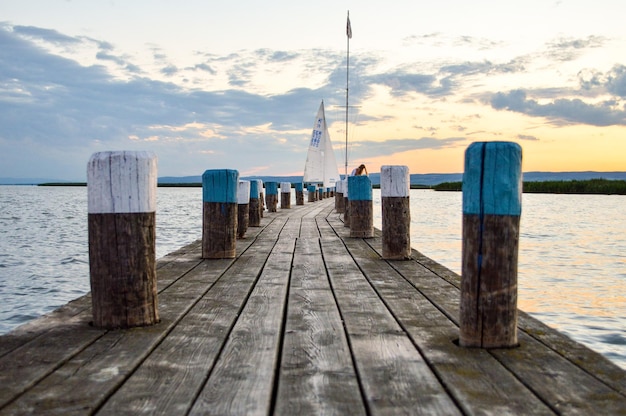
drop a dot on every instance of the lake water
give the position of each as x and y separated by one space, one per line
572 266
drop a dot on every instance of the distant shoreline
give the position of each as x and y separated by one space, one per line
588 187
576 187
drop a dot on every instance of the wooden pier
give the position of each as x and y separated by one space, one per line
305 320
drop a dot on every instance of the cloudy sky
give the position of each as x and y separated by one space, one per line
217 84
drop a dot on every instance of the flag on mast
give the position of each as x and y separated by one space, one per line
349 28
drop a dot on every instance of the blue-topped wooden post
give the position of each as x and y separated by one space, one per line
339 202
312 193
346 204
395 185
299 193
320 193
261 197
219 213
285 195
492 205
243 208
121 226
271 196
361 206
254 209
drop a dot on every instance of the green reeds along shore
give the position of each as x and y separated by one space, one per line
591 186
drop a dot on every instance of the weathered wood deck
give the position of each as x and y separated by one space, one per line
304 321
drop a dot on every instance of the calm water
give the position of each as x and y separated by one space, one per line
572 270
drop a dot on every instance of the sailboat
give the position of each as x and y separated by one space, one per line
321 165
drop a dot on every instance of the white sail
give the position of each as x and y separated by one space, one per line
321 165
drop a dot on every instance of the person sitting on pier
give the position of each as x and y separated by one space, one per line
361 170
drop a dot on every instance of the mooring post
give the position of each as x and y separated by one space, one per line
361 206
395 185
346 204
339 203
219 213
271 196
243 207
261 197
285 195
492 205
299 193
254 210
121 226
312 193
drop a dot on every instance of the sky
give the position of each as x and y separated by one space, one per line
217 84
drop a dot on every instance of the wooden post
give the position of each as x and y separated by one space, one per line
346 204
243 208
299 193
271 196
395 185
254 209
219 213
121 226
320 193
312 193
339 202
285 195
361 207
261 197
492 205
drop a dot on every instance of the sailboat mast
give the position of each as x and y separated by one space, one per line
349 36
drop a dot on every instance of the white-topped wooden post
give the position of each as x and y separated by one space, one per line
254 209
261 197
339 201
395 185
243 208
285 195
121 225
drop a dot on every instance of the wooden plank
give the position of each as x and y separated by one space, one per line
83 382
242 380
394 376
187 355
561 383
316 374
493 389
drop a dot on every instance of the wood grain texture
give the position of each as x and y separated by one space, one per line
122 269
489 284
304 320
219 228
396 227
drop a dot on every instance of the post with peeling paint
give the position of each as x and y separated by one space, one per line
243 208
121 225
271 196
219 213
254 209
396 212
346 204
361 206
339 202
261 197
285 195
299 193
492 205
312 193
